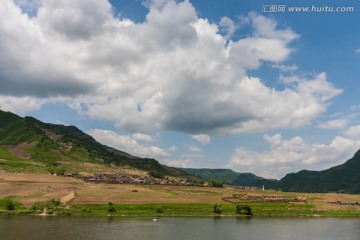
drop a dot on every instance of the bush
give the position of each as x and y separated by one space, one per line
158 210
86 210
9 205
56 170
217 208
111 208
53 203
214 183
50 204
50 211
156 174
243 209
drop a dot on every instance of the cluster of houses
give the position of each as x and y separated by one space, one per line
117 178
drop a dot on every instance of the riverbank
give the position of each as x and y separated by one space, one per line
184 210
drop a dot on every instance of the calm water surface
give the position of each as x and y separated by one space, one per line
107 228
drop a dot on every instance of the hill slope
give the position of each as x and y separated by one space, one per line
30 142
342 178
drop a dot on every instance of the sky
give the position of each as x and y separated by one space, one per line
252 86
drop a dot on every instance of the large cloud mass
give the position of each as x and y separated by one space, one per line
173 71
292 155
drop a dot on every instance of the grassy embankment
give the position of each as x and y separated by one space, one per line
43 193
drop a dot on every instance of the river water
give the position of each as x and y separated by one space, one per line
177 228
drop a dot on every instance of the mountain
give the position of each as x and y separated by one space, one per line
342 178
221 175
34 145
249 179
230 177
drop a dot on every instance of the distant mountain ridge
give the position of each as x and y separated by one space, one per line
230 177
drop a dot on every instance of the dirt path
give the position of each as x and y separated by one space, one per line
68 197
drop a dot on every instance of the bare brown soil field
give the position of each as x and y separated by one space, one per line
141 194
31 188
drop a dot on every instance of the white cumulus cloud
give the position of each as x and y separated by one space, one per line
292 155
174 71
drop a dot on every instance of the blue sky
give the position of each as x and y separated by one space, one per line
206 84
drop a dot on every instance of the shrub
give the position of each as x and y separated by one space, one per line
111 208
214 183
56 170
9 205
50 211
158 209
53 203
156 174
243 209
217 208
86 210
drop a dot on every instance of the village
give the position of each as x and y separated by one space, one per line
117 178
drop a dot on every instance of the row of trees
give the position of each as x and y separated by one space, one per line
239 209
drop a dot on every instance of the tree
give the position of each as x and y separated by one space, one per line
111 208
243 209
9 205
158 209
156 174
215 183
217 208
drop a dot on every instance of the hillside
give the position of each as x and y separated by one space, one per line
343 178
29 145
221 175
230 177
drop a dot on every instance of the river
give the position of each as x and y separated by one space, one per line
177 228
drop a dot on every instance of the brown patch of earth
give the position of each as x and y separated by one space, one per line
20 150
32 188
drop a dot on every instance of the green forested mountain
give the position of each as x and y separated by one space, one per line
56 146
343 178
221 175
230 177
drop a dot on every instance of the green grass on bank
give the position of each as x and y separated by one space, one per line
53 207
258 209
